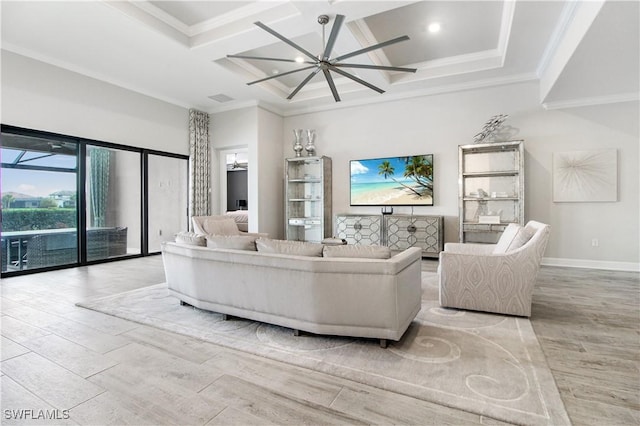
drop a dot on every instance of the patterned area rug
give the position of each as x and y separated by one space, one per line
482 363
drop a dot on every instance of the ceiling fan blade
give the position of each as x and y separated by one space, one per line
332 85
280 75
262 58
356 79
305 81
374 47
286 40
375 67
337 24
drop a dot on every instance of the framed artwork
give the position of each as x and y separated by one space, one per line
585 176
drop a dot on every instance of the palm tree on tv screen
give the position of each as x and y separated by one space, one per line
387 170
420 170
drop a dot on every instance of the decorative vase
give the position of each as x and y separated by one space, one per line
297 144
311 140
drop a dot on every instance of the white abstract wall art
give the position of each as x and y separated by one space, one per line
585 176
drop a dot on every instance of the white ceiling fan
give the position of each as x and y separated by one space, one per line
324 62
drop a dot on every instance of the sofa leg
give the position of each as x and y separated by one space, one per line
296 332
383 343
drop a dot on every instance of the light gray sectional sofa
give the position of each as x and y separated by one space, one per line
374 298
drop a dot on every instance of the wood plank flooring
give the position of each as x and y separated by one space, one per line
105 370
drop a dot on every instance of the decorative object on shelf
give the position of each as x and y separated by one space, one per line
490 127
297 143
311 143
323 62
490 219
585 176
392 181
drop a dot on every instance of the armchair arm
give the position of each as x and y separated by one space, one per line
469 248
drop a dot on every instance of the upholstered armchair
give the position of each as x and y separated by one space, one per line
494 277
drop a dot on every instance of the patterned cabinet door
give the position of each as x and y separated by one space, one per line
426 232
359 230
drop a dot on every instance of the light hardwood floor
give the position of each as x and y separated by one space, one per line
106 370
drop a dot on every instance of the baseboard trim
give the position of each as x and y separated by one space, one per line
591 264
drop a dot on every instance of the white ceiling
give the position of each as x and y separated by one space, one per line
176 50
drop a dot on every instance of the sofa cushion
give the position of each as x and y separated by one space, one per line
364 252
236 242
294 248
191 238
215 226
513 237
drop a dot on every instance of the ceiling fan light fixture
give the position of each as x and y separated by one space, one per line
324 61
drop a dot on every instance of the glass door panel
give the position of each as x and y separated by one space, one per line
39 209
114 203
167 199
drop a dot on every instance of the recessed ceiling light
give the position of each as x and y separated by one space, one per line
299 59
275 71
434 27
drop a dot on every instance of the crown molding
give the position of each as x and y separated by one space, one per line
506 23
241 105
591 101
141 15
457 87
210 24
568 12
47 60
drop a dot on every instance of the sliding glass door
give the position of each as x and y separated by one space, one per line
39 202
70 201
113 201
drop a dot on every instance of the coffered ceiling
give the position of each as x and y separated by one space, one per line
177 50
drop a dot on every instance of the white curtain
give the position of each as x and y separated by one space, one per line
199 164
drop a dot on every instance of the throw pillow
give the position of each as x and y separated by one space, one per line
236 242
215 226
191 238
294 248
363 252
513 237
524 235
506 238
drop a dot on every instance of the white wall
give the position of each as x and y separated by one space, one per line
260 132
39 96
438 124
270 173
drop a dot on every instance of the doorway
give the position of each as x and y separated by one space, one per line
234 189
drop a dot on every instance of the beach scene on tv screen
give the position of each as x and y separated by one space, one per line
392 181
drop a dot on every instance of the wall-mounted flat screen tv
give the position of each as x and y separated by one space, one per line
392 181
